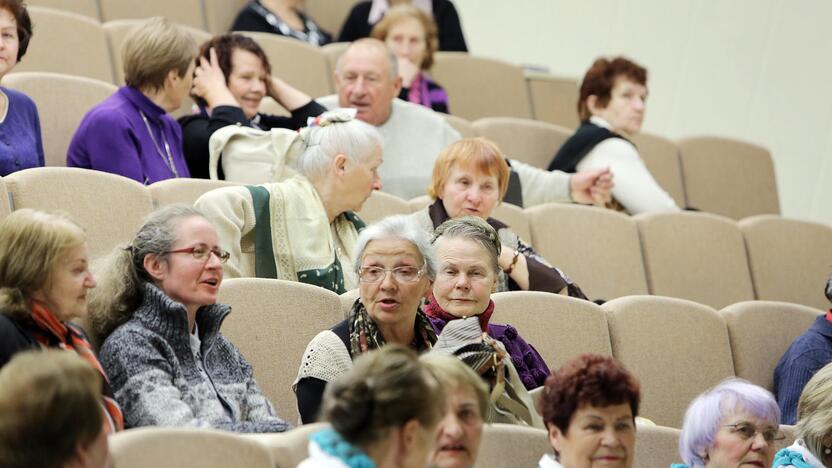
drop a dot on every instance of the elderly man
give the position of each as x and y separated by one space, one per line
367 79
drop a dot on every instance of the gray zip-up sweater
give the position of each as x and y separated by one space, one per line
157 380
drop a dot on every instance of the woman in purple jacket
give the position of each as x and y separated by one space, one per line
131 133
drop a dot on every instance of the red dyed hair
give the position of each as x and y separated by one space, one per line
477 153
601 77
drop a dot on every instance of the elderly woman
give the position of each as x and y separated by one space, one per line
466 406
467 251
735 423
470 177
303 229
157 315
590 405
283 17
44 281
395 266
230 82
131 132
813 447
411 34
383 412
20 129
611 108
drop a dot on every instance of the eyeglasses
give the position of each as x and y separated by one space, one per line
402 274
747 432
202 253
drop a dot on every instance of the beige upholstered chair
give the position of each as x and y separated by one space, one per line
109 207
661 156
696 256
675 348
760 332
170 191
788 431
656 446
381 205
598 248
301 65
348 299
220 14
184 12
559 327
60 112
271 323
175 447
511 445
465 128
67 43
529 141
82 7
728 177
5 209
329 14
419 203
288 448
511 215
333 51
479 87
554 99
790 260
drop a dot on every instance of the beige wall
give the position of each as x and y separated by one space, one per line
757 70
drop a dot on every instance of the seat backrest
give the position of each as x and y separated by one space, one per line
790 260
329 14
675 348
760 332
559 327
272 322
60 113
67 43
82 7
728 177
301 65
511 445
109 207
465 128
348 299
333 51
598 248
515 218
529 141
185 12
380 205
480 87
657 446
5 209
554 99
288 448
695 256
419 203
173 447
220 14
170 191
661 156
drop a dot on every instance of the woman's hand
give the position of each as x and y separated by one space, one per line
286 95
408 71
209 83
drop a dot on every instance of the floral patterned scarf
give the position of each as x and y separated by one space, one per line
365 335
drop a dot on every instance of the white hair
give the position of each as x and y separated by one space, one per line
398 227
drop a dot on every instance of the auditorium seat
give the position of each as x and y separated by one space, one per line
170 191
82 7
380 205
419 203
465 128
481 87
554 99
60 112
529 141
271 323
695 256
288 448
509 214
760 332
790 259
5 209
728 177
348 299
301 65
675 348
175 447
67 43
109 207
598 248
505 445
661 156
333 51
329 14
185 12
220 14
559 327
657 446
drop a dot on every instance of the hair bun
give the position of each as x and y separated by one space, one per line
352 407
339 115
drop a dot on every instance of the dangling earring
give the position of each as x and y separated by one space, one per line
827 450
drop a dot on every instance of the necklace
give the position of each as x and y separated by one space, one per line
166 157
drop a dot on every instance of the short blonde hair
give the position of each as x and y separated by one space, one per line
452 373
405 11
477 153
154 48
31 242
814 411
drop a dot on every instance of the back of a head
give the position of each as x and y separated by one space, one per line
386 389
814 412
154 48
50 405
600 79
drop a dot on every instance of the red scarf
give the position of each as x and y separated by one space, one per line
50 332
433 309
829 315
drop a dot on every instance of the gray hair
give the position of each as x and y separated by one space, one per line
369 42
814 411
398 227
332 133
474 229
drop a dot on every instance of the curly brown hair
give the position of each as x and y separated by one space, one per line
224 46
601 77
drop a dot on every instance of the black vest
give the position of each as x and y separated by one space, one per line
579 145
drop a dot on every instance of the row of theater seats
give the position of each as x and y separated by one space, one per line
697 256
